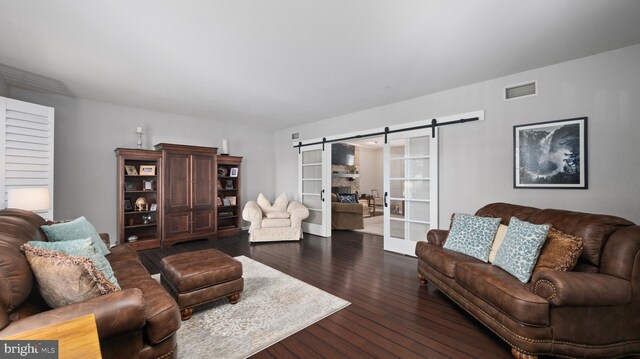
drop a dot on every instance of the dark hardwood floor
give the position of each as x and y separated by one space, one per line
391 314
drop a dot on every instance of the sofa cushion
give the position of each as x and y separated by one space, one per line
443 260
77 229
279 205
504 292
497 242
472 235
276 223
81 248
559 253
63 279
594 229
338 207
521 247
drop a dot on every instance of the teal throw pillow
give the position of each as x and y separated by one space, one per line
76 229
81 248
472 235
520 249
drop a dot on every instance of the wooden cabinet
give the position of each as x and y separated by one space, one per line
139 199
189 188
229 212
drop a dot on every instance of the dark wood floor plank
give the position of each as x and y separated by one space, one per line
391 314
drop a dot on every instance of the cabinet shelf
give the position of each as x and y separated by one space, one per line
141 191
141 225
140 176
139 212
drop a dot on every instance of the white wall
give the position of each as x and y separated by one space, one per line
87 132
371 171
476 159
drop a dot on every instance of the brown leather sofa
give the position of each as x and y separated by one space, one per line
345 216
592 311
139 321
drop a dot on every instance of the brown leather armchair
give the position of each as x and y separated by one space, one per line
140 321
592 311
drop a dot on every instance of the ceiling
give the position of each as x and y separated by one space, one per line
279 63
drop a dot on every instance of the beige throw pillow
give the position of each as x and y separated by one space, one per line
497 241
279 205
63 279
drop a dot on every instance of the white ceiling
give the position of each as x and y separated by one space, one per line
285 62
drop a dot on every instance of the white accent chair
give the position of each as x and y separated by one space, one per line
281 221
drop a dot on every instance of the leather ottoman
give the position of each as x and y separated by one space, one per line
199 277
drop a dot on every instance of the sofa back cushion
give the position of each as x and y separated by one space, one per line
505 211
594 229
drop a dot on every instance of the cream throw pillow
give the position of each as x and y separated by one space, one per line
279 205
497 241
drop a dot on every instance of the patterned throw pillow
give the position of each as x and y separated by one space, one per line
521 247
64 280
560 252
81 248
347 198
76 229
472 235
279 205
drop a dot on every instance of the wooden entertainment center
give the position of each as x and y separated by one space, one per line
176 193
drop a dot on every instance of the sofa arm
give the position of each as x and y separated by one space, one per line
437 236
116 313
253 214
577 289
298 213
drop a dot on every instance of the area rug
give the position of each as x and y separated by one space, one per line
272 307
373 225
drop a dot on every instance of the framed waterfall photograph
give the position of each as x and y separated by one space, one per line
551 154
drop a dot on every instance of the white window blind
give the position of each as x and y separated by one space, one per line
26 148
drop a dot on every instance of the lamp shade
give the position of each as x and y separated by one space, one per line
30 199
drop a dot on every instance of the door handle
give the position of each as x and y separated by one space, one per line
322 195
385 199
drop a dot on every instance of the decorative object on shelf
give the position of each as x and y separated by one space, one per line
219 184
551 154
225 147
219 201
147 170
132 238
147 185
226 201
154 207
222 171
30 199
139 134
141 204
131 221
127 205
233 172
146 218
131 170
232 200
229 184
130 186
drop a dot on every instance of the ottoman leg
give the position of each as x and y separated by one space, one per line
186 313
233 298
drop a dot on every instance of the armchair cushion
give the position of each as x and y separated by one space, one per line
278 215
279 205
276 223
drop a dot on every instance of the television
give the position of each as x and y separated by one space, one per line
343 154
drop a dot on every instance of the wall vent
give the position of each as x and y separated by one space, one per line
521 90
295 136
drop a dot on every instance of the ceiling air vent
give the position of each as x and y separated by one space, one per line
521 90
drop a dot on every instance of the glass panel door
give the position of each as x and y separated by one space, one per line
313 174
411 189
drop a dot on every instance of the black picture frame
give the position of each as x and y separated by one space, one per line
127 205
551 155
229 184
130 186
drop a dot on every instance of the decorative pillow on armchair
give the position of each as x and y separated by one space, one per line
347 197
521 247
279 205
64 280
472 235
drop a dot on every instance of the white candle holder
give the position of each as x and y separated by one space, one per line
139 133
